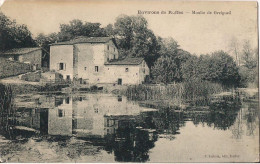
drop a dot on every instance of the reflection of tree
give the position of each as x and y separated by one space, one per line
164 121
222 115
250 117
237 129
130 144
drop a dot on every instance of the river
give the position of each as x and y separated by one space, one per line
91 127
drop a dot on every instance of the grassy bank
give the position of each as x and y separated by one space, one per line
191 92
27 88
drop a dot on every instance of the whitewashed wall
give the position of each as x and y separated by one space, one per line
62 54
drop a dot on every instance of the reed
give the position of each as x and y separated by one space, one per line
194 92
7 110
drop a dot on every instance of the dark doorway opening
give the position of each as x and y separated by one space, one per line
119 82
44 121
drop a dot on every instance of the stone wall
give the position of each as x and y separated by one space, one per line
12 68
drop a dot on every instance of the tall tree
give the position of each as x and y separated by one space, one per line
13 35
249 56
234 48
135 39
78 28
219 67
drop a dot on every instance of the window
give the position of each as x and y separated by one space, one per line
58 101
107 122
126 69
67 100
61 66
119 81
60 113
85 68
114 50
114 56
96 110
96 68
107 47
107 59
119 98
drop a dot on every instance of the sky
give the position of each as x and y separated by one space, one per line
196 33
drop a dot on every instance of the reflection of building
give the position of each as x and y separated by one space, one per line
60 117
85 116
34 118
108 121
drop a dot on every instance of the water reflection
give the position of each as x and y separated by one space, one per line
88 124
221 115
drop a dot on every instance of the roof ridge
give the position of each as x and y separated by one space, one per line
85 39
23 50
127 61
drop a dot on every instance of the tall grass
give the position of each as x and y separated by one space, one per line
7 110
195 92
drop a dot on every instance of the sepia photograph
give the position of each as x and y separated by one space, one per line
104 81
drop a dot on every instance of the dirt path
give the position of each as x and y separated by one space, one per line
16 80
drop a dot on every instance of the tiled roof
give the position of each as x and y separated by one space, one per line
83 39
20 51
126 61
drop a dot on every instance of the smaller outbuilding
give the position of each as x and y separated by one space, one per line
126 71
32 56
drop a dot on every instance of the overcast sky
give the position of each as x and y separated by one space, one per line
200 34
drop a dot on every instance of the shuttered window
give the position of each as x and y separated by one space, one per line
96 68
61 66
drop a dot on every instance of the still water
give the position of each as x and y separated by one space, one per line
109 128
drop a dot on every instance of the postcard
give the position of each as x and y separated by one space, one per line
129 81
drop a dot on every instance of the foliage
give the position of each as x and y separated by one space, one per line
249 56
168 68
13 35
135 39
249 68
217 67
78 28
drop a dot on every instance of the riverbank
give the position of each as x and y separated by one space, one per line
180 96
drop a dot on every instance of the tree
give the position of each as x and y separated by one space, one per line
165 70
78 28
218 67
234 48
170 63
13 35
249 56
249 68
44 42
135 39
109 30
190 68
